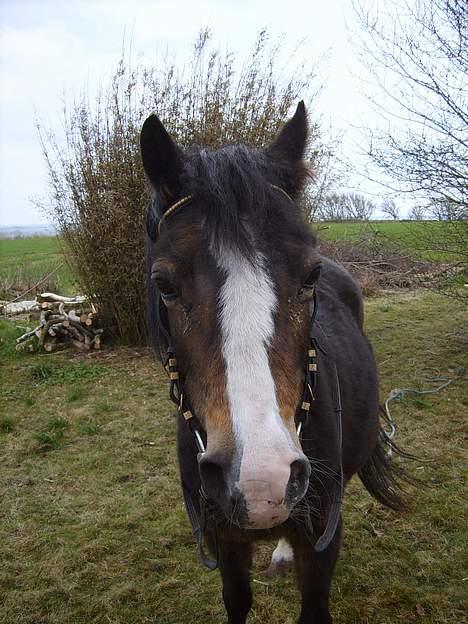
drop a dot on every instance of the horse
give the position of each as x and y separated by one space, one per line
274 380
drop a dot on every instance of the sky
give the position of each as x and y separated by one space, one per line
51 51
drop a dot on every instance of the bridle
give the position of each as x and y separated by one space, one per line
179 398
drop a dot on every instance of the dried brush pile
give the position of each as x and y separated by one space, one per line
98 190
377 264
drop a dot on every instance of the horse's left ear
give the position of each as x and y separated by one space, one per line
290 143
287 151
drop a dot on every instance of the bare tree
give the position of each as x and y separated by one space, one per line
345 206
416 213
390 208
359 207
417 55
331 207
448 211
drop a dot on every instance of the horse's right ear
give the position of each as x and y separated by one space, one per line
162 160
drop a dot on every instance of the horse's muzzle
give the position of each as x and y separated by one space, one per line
261 499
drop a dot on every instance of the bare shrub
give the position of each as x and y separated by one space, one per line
97 185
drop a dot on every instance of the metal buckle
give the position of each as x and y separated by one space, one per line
198 438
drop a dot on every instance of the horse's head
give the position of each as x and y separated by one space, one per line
235 267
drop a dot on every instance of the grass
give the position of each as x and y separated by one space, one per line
51 437
92 526
26 261
42 373
437 241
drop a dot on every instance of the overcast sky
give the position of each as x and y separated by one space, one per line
52 50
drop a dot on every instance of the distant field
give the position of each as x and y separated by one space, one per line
426 240
26 261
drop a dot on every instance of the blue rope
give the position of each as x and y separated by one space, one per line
398 394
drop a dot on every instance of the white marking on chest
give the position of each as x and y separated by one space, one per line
283 553
247 305
282 559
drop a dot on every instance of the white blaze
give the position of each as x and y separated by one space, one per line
247 305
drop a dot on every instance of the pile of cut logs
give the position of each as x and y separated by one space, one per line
63 321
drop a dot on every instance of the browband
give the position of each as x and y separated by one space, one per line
188 198
182 202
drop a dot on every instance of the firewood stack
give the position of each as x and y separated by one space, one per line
63 321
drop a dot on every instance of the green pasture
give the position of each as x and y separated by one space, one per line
436 241
92 525
26 261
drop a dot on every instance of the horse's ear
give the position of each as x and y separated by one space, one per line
162 160
290 143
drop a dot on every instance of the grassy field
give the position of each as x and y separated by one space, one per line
92 526
26 261
426 240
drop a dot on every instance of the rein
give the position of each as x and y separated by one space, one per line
179 398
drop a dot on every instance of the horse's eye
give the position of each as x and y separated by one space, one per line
165 287
307 289
313 277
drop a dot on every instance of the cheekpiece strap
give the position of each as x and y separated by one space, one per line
177 396
310 375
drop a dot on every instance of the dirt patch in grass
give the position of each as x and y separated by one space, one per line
93 530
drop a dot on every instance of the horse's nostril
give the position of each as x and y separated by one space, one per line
298 481
300 470
212 476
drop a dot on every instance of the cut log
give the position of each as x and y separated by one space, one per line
52 297
56 318
81 346
28 343
75 333
25 336
50 346
20 307
57 329
73 316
